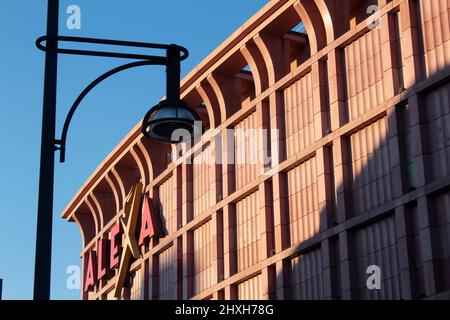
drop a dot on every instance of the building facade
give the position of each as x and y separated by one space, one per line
348 107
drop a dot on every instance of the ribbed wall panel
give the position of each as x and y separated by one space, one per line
203 168
203 261
376 245
251 289
299 115
246 150
248 237
137 286
307 277
437 126
167 199
440 221
371 167
168 274
364 70
303 201
362 194
435 29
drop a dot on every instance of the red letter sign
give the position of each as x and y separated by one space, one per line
115 244
150 224
91 269
103 257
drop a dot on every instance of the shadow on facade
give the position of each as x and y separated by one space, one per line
385 202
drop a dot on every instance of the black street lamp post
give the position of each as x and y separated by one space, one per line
159 123
46 173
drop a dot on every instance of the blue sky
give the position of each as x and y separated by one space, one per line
103 119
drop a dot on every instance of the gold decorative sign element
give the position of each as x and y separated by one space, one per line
129 222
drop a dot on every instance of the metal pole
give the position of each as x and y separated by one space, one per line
173 75
1 288
42 271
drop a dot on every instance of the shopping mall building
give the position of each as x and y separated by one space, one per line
348 109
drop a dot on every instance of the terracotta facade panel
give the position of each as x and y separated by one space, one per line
304 202
248 237
167 274
355 173
299 115
307 276
437 127
364 69
202 264
167 204
251 289
375 245
371 167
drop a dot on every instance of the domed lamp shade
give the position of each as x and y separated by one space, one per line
171 120
165 118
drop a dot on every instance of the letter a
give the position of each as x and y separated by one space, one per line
91 268
374 281
150 224
74 20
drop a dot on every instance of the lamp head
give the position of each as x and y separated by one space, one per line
162 120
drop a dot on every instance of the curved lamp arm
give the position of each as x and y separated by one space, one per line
61 143
167 60
121 43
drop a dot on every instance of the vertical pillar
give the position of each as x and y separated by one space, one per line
219 247
228 158
187 192
404 260
342 171
265 227
324 196
215 248
229 246
188 266
188 237
280 212
388 49
277 128
178 196
398 185
418 134
215 167
320 101
324 189
343 178
281 232
327 281
153 284
337 84
409 39
345 261
179 252
426 243
146 279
